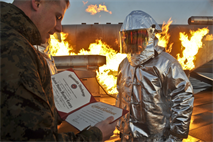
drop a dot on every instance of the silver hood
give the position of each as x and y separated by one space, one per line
139 20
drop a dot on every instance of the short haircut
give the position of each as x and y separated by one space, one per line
67 2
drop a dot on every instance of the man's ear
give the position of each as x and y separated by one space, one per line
35 4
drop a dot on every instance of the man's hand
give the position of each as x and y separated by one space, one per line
106 128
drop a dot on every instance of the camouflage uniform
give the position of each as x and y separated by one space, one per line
27 106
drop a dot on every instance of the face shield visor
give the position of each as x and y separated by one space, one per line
133 41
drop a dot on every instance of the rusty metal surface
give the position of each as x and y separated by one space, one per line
81 36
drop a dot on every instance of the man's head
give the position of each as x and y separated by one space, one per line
45 14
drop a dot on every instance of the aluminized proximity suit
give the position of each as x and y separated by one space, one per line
154 88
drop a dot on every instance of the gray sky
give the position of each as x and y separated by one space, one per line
161 10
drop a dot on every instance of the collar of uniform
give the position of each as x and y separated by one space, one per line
17 19
137 60
151 51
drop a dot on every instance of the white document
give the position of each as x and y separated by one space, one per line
69 92
76 105
92 114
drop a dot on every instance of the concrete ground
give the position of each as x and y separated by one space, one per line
202 117
201 121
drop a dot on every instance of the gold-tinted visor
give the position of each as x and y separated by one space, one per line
133 41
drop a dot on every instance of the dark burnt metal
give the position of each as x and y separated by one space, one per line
200 20
201 77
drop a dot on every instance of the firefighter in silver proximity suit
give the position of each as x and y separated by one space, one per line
152 86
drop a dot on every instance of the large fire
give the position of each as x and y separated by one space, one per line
56 41
164 36
94 9
191 46
106 75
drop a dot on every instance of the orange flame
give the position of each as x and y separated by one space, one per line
85 2
209 38
191 46
163 37
106 75
94 9
58 40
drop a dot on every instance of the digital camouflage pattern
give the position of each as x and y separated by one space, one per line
27 106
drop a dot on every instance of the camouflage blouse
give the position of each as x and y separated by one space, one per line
27 106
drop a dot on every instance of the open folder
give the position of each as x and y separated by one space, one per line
76 105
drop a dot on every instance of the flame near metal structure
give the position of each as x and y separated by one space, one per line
86 36
81 36
82 40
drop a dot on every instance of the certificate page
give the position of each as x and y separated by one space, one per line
69 92
92 114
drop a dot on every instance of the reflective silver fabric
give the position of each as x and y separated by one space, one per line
158 95
139 20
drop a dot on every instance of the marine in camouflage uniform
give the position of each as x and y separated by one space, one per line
27 107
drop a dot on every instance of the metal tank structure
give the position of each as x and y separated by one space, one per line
82 35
